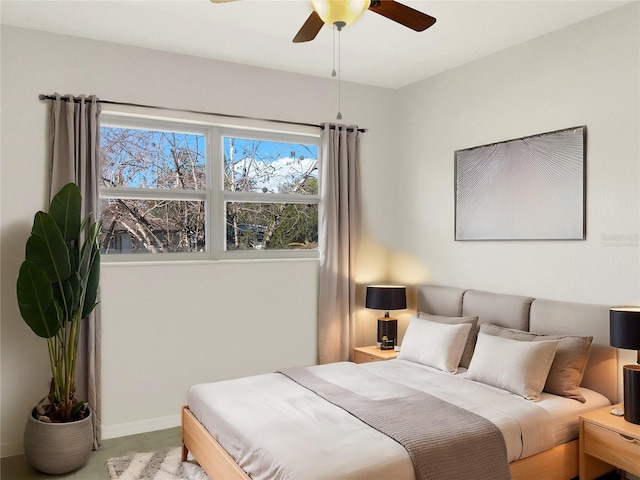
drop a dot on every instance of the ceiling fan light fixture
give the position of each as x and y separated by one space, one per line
339 12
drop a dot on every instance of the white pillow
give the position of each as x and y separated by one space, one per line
467 353
437 345
568 365
516 366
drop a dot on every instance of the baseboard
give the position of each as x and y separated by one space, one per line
109 431
140 426
11 449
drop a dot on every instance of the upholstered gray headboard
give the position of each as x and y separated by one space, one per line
538 316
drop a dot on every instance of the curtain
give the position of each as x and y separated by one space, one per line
339 225
74 141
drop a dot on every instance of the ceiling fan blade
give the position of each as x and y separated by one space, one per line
310 28
402 14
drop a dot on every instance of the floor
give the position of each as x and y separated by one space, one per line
17 468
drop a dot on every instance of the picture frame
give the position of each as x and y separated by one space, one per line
528 188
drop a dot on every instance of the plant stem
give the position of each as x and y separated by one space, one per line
52 347
74 331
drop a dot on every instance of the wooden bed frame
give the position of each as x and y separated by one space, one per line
559 463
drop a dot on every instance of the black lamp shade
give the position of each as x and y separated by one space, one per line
383 297
386 297
624 327
624 332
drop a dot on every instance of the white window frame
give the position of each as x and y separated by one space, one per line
214 196
256 197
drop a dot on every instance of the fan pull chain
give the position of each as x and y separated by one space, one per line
333 73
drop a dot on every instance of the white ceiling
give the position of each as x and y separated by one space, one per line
374 50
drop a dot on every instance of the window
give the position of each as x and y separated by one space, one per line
270 194
173 190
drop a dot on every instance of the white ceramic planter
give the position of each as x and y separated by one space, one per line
56 448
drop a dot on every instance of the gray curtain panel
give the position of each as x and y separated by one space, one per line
74 141
339 224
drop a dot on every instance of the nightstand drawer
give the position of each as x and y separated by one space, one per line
372 354
613 448
361 357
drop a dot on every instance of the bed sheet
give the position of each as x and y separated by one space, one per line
565 411
276 429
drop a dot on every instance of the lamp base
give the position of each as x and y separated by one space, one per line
631 377
388 327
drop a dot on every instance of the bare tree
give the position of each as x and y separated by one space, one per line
144 159
148 159
263 170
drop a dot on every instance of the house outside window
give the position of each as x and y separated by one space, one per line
173 190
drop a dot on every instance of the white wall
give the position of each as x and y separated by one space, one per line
165 326
587 74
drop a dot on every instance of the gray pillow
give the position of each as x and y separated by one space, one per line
568 364
473 333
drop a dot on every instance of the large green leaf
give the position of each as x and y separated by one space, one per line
89 270
47 249
66 210
93 280
71 292
35 299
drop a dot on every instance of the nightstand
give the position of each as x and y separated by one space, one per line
372 354
606 441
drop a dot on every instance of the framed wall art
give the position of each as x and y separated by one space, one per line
530 188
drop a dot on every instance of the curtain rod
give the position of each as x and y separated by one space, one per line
226 115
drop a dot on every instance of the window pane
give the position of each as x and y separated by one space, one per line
270 167
272 226
152 226
139 158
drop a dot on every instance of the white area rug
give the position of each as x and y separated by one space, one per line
161 465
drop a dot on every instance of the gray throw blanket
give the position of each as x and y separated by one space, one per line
444 441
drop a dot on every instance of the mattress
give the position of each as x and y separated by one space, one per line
277 429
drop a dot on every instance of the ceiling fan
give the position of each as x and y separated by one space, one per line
344 12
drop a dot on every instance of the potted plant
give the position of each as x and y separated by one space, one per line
57 288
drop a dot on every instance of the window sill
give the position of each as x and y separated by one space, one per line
112 262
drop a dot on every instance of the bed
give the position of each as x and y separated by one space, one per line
257 424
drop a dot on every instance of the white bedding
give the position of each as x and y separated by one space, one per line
276 429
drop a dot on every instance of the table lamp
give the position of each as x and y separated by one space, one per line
624 332
383 297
